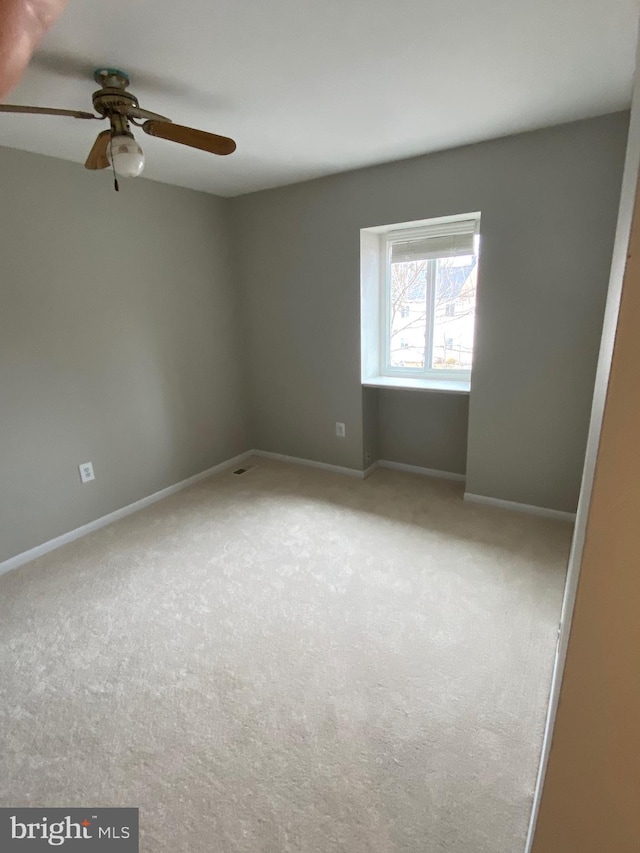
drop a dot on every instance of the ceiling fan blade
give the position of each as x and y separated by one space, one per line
138 112
46 111
97 158
188 136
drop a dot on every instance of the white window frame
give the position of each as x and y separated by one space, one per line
388 238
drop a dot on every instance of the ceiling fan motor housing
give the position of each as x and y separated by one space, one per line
106 101
109 99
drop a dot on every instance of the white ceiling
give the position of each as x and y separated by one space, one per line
313 87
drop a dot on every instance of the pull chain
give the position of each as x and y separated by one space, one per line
116 186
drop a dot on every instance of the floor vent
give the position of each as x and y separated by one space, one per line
243 470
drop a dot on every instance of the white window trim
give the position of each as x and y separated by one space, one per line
430 375
375 299
401 383
386 368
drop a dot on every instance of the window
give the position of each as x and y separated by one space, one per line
418 289
428 270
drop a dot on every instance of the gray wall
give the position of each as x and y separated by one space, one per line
548 201
297 266
423 428
118 343
371 432
546 258
128 339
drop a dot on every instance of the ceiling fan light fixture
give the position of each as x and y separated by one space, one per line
125 155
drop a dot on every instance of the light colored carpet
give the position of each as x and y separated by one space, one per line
290 660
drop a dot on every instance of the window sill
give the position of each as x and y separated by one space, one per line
402 383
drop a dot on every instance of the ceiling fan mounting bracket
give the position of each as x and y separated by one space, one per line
111 78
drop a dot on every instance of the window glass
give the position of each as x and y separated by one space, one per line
431 313
454 313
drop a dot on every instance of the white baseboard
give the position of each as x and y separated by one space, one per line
52 544
369 471
424 472
542 511
311 463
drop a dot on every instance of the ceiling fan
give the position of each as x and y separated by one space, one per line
117 147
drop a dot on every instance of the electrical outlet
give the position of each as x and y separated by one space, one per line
86 472
340 430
